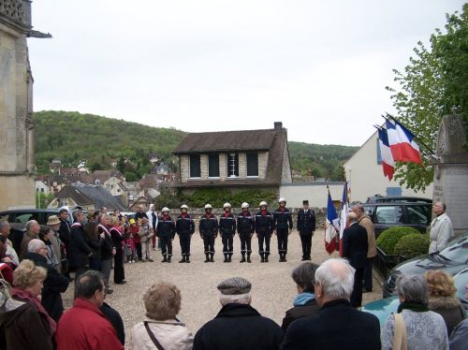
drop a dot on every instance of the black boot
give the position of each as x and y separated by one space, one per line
266 257
187 259
262 257
229 257
212 256
183 259
243 258
207 259
248 258
226 259
281 257
169 259
284 257
164 260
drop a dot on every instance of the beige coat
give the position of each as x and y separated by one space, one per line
366 222
172 335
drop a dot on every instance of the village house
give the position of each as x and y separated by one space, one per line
234 159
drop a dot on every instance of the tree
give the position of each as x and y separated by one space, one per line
435 83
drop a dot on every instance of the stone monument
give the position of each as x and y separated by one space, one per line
451 171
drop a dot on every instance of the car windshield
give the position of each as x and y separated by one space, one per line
457 251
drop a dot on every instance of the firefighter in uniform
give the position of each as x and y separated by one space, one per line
245 228
283 225
264 226
185 228
306 227
166 233
227 229
208 230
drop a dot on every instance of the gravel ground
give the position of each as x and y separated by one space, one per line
272 287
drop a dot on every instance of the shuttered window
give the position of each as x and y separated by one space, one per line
195 166
252 164
233 164
213 165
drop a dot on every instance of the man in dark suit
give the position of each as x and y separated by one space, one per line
355 250
306 227
337 325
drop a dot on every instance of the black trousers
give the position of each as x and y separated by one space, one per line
119 272
166 246
356 295
246 242
228 239
306 241
282 235
185 239
138 250
208 242
264 237
368 274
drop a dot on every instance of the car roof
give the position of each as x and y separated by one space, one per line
399 199
383 204
29 211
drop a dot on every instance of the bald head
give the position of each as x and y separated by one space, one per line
336 278
352 217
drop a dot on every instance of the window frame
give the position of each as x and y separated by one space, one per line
190 166
247 164
209 166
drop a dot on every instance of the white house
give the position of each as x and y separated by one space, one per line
365 175
42 187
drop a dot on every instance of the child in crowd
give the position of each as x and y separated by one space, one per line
130 253
134 231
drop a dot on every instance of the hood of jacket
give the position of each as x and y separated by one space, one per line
11 310
443 302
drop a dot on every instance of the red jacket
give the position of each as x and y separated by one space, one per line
84 327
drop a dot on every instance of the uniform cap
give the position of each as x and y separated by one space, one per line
235 286
245 205
165 209
184 207
282 199
226 205
263 204
208 206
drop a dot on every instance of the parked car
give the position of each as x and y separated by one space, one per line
452 260
391 214
397 199
384 307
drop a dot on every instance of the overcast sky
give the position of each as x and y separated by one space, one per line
319 66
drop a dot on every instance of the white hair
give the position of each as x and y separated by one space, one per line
238 299
34 245
336 276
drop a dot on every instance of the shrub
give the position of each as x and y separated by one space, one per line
412 245
391 236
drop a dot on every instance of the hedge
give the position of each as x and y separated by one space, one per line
412 245
388 239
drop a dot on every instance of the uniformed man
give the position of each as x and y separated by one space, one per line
283 225
185 228
306 227
166 233
245 228
209 230
227 228
264 225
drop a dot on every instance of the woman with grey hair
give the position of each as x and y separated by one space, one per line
304 302
414 327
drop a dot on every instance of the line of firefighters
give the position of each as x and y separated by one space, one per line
264 223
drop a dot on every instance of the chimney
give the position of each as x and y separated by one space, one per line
278 126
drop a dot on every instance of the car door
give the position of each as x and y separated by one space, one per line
386 216
418 216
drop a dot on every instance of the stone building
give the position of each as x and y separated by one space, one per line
234 160
16 119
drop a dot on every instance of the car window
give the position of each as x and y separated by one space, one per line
4 217
25 217
457 252
369 210
419 214
388 215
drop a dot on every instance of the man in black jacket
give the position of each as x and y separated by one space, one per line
185 227
283 225
64 235
54 284
245 228
238 325
264 226
306 228
227 228
337 325
355 250
78 251
208 231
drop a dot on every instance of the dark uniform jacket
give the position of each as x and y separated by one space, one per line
264 223
107 244
245 223
282 219
166 227
227 225
238 326
64 231
309 309
305 222
355 245
78 251
336 326
54 284
208 225
185 225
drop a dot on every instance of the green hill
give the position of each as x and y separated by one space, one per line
72 136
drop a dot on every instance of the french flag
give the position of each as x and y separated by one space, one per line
333 223
344 215
388 163
401 143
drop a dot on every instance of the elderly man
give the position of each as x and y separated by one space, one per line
11 257
337 325
441 228
355 250
84 326
238 325
54 284
365 221
32 231
54 223
107 249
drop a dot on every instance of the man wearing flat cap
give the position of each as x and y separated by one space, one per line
306 228
238 325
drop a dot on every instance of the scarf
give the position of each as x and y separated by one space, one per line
303 298
245 213
226 214
28 297
413 307
282 209
183 215
264 212
208 216
104 228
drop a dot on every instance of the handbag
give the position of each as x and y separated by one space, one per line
400 338
152 336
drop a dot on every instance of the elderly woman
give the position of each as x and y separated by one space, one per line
442 298
304 303
417 326
161 329
25 322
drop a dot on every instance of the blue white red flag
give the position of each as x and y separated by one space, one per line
388 163
333 225
402 145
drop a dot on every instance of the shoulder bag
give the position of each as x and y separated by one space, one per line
152 336
400 337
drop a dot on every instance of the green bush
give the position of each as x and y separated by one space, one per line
391 236
412 245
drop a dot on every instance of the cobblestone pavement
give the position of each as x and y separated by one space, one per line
272 287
